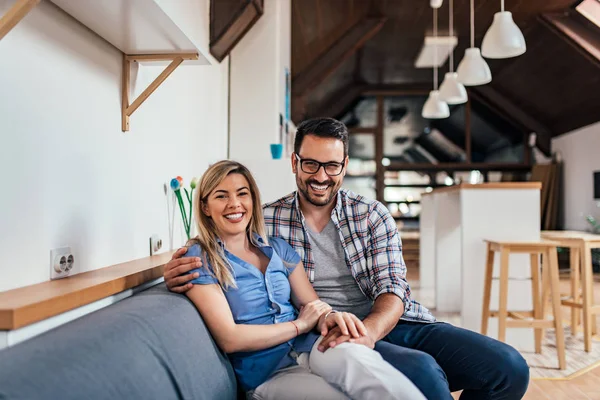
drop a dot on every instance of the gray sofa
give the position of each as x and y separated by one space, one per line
153 345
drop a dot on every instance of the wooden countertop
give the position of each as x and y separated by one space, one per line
490 185
24 306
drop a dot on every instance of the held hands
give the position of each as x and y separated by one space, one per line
309 315
340 327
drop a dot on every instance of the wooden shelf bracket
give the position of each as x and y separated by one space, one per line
15 14
128 109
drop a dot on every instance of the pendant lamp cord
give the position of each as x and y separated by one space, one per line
472 24
435 75
502 5
451 18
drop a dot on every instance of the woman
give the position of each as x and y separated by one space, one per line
248 291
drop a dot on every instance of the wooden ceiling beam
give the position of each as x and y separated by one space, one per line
397 90
336 54
302 41
343 98
235 23
362 130
570 28
495 101
574 119
337 103
499 103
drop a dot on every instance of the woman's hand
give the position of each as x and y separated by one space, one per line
340 327
348 323
309 315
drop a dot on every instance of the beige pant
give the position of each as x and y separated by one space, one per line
347 371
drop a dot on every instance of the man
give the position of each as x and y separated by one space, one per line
352 254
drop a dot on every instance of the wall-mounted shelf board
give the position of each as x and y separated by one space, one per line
15 14
144 32
135 27
30 304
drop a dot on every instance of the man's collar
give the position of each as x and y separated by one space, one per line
338 201
297 206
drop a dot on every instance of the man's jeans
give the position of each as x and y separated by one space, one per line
440 358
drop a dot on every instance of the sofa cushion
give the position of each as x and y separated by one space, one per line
153 345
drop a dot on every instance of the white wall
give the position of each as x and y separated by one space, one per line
70 176
258 65
580 151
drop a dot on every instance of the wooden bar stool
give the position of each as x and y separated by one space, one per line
519 319
580 245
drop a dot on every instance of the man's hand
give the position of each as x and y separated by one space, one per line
175 269
332 339
364 340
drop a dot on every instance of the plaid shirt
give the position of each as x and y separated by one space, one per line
370 239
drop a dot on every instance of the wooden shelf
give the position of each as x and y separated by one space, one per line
135 27
15 14
395 166
415 185
489 185
144 33
141 29
24 306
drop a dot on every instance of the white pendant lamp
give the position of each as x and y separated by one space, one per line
436 3
473 70
435 107
503 39
451 90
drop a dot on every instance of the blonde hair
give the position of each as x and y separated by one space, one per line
207 231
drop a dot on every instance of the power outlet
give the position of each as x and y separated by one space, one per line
62 262
155 244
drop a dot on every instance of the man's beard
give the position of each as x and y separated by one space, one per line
317 201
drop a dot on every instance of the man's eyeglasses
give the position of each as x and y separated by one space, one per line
309 166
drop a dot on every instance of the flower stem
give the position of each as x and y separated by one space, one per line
191 211
182 210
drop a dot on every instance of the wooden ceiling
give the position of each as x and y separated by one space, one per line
342 48
230 20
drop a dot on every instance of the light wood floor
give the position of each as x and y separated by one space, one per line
584 387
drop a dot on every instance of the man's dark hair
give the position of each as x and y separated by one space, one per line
322 127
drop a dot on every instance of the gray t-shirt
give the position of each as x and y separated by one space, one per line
333 280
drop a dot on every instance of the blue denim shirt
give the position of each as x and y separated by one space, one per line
260 300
